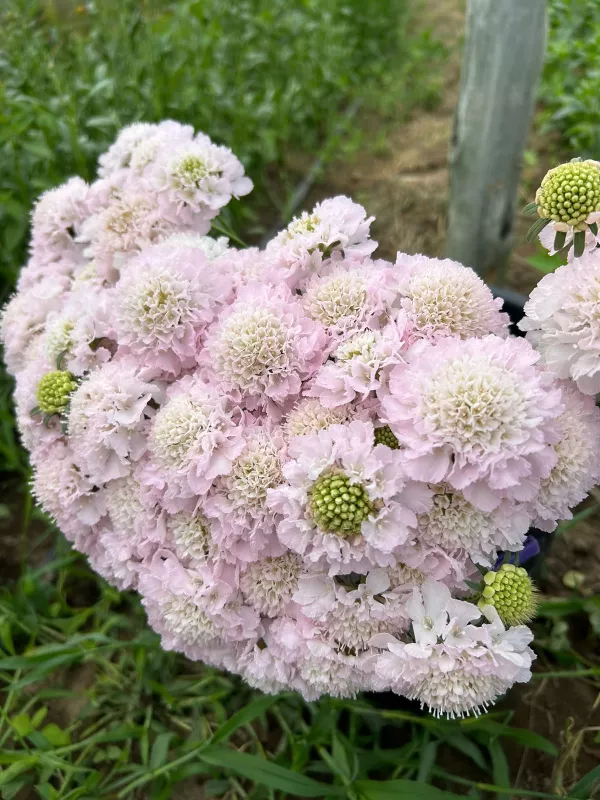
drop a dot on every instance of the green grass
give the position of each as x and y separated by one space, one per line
570 89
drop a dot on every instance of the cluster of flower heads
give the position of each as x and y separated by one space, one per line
302 458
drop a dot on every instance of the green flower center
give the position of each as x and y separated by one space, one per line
54 390
337 506
512 593
385 436
570 192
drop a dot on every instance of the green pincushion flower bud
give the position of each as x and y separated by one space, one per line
570 192
385 436
53 391
512 593
337 506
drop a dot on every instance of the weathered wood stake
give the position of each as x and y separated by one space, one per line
504 51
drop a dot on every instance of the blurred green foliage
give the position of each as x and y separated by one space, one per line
265 77
570 88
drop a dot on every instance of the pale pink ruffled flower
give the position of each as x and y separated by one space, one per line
118 155
562 320
262 348
243 524
347 450
476 414
577 469
360 365
351 297
443 298
249 266
56 222
337 227
194 439
108 417
166 299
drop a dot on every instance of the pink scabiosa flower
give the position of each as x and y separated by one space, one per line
56 222
249 266
195 180
348 610
475 414
562 321
351 298
262 348
165 300
577 468
117 232
193 609
269 584
336 227
455 524
194 439
65 491
119 155
38 429
189 536
443 298
23 320
452 666
133 515
243 524
346 504
310 416
211 248
108 415
360 365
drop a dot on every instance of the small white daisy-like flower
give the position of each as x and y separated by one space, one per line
443 298
309 416
268 585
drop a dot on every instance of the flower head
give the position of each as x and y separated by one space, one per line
443 298
336 227
512 593
57 219
309 416
268 585
54 390
570 192
477 414
562 320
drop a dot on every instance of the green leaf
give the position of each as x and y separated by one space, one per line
243 717
537 227
559 240
22 724
584 787
530 209
8 775
522 735
500 769
398 789
160 750
593 226
546 263
268 774
468 747
428 755
55 735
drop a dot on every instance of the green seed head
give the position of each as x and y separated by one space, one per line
512 593
385 436
570 192
337 506
53 391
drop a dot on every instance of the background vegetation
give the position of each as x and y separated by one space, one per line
90 707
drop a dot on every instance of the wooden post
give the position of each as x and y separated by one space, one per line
503 56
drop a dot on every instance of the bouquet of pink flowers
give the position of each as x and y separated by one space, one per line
304 459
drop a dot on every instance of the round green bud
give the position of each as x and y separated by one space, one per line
385 436
512 593
570 192
338 506
53 391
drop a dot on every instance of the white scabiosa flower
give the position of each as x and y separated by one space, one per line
443 298
192 541
118 155
268 585
56 221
